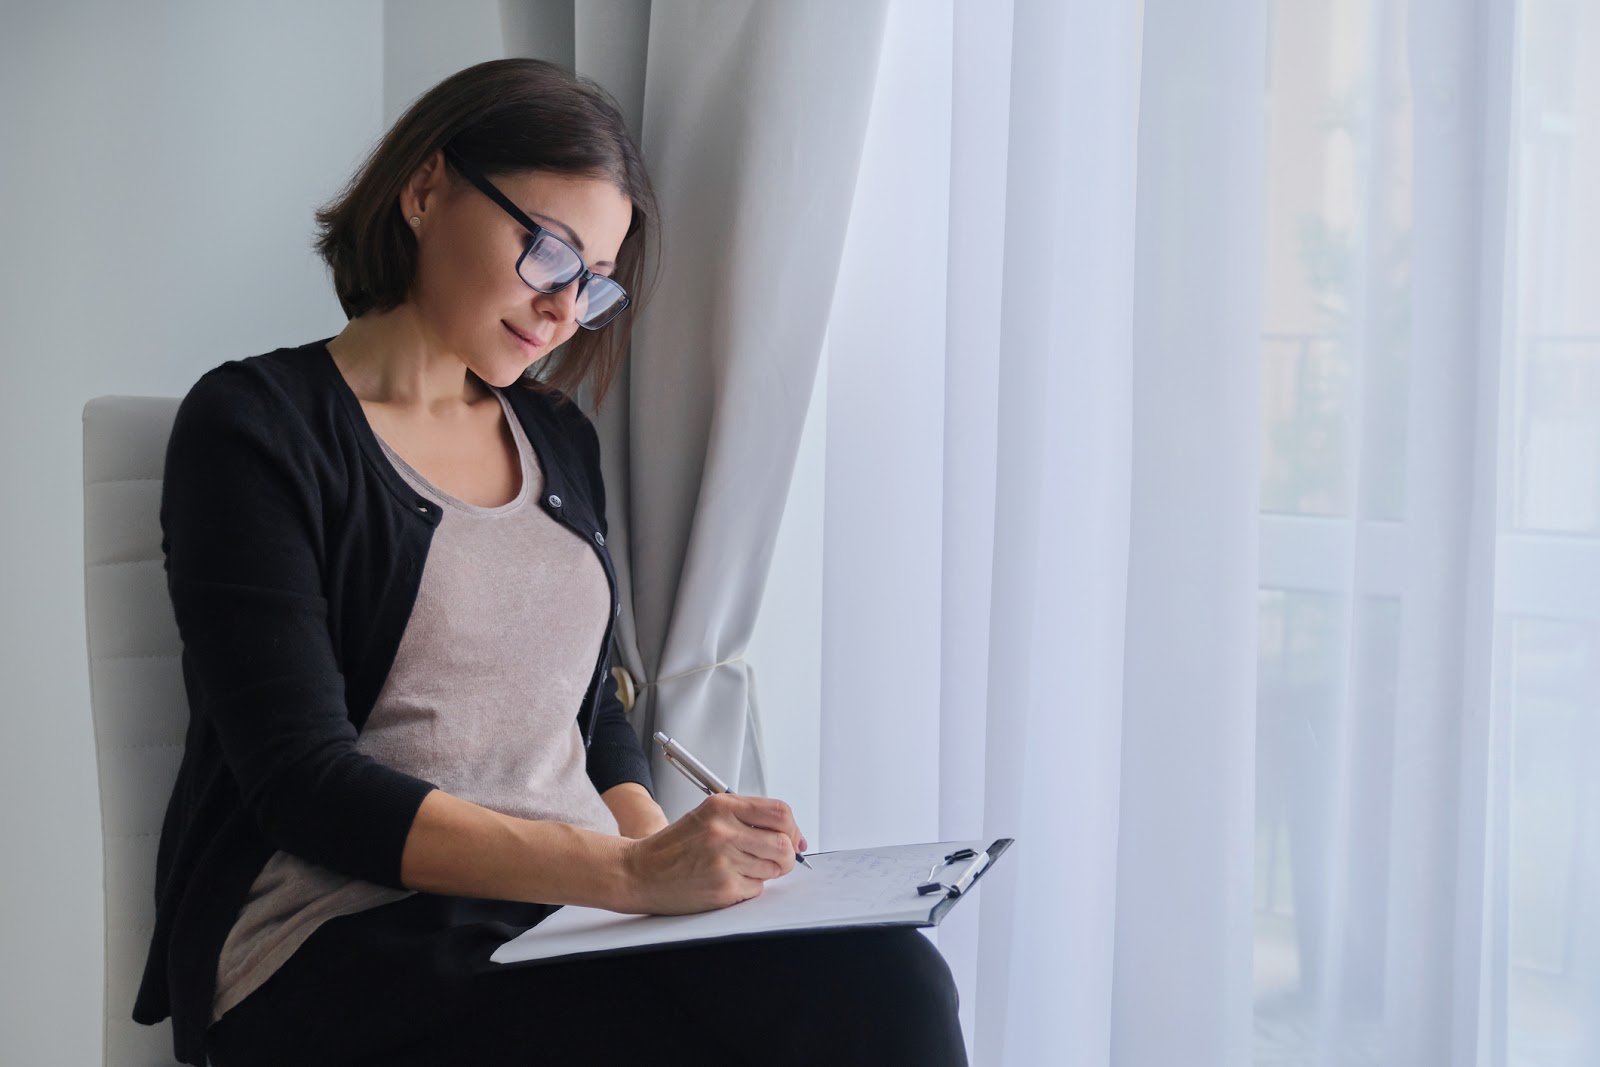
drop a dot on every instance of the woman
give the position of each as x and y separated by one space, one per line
386 556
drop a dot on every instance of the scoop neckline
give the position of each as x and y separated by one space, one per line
445 499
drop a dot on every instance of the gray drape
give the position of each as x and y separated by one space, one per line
752 117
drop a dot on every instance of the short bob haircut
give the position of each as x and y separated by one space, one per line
505 115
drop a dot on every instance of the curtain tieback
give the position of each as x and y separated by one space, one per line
628 689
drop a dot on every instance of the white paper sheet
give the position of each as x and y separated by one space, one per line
846 888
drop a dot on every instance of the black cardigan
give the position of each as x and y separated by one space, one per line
293 551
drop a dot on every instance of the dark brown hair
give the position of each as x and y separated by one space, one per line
505 115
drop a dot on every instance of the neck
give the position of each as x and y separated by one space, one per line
392 358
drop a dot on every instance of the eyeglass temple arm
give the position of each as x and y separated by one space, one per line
475 176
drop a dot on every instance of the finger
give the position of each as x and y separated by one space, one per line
766 854
764 813
768 814
729 803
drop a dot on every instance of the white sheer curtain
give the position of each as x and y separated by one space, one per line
1213 503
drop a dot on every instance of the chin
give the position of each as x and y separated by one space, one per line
503 378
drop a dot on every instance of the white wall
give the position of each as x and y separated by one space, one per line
425 42
161 163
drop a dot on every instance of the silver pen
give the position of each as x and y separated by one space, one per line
700 774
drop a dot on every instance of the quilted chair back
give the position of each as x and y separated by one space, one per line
135 690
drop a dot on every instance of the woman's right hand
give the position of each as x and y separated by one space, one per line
720 853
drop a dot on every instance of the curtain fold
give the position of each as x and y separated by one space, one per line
1461 70
1062 485
1188 714
980 101
752 122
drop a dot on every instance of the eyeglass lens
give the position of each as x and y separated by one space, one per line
550 265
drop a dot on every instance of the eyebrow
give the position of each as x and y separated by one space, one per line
571 235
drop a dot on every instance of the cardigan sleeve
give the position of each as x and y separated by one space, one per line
242 519
615 755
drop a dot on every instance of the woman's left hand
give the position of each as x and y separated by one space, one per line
637 813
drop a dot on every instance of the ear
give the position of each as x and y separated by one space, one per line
424 188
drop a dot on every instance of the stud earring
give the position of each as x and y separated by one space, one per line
415 221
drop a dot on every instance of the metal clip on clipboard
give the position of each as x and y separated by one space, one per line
963 881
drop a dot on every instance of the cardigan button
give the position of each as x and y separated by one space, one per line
600 539
553 500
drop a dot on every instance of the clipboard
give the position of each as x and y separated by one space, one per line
895 885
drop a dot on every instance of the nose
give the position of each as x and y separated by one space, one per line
561 305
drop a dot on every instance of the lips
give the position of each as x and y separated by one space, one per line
524 338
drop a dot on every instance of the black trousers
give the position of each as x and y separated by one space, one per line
410 983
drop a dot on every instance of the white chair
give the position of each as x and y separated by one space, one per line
136 691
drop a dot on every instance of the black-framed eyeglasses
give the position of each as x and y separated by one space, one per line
548 264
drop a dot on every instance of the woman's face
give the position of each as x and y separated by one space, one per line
466 286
